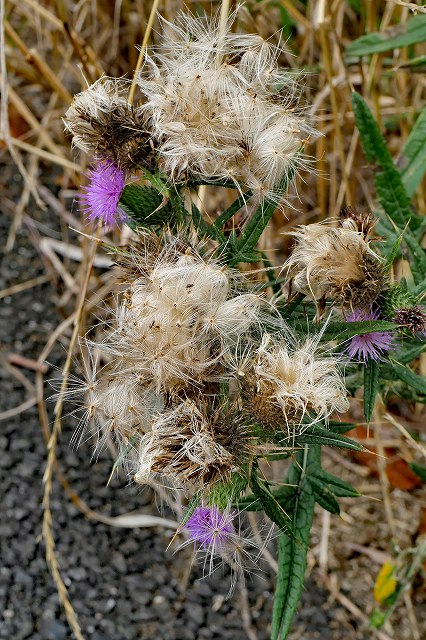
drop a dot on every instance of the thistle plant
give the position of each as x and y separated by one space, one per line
201 375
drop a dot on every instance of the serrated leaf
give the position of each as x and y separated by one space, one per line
420 288
336 485
413 157
396 249
346 330
391 192
293 548
271 507
320 435
340 427
395 37
324 497
419 470
418 264
408 376
373 143
390 188
393 197
391 232
371 387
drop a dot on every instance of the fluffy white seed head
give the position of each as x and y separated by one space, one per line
220 108
337 263
294 382
181 312
182 445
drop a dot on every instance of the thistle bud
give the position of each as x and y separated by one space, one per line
395 298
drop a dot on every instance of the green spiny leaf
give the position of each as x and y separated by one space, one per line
270 506
390 188
408 376
340 427
231 210
346 330
371 387
316 434
410 352
393 198
257 223
337 486
396 249
324 496
373 143
293 548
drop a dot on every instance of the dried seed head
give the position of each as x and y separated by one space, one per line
293 382
192 446
412 318
181 311
113 406
220 108
336 263
103 123
360 221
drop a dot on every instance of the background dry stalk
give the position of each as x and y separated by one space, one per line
50 50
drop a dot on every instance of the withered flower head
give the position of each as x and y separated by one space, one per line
362 221
336 263
193 446
288 383
412 318
103 123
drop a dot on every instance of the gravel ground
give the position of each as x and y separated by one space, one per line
123 583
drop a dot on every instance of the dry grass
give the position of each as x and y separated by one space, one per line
49 50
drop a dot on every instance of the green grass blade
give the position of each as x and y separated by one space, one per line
413 157
411 32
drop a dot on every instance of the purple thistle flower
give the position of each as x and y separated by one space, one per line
101 196
211 527
370 345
